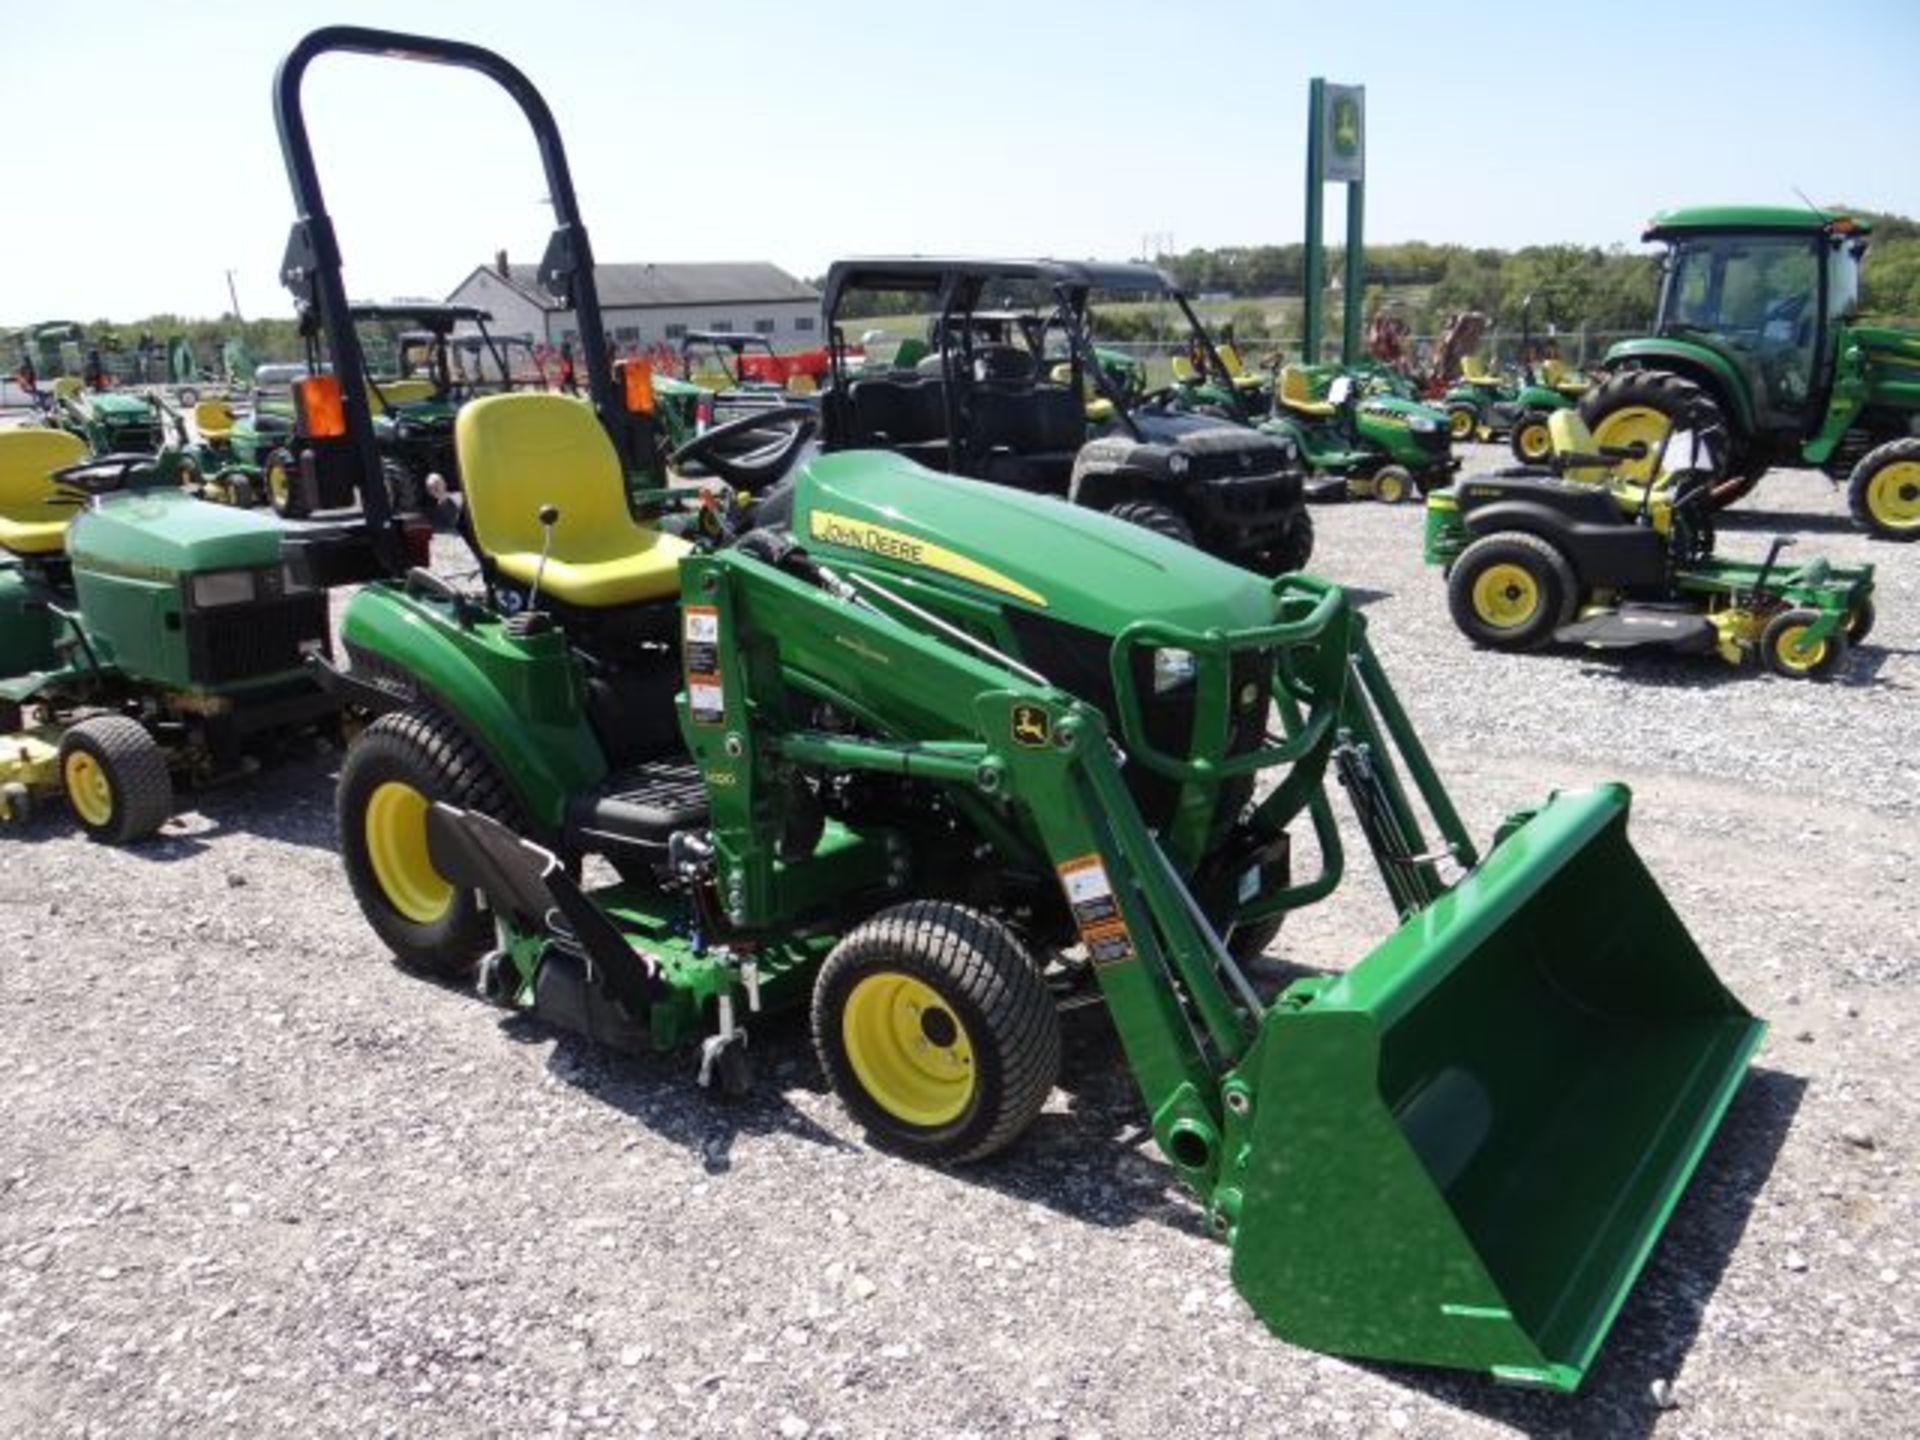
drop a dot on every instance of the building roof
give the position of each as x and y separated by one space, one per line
646 287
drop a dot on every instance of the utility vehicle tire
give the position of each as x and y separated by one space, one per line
116 779
1393 485
936 1030
397 767
1462 423
1511 591
1884 490
1860 622
405 495
1643 405
1152 515
1532 442
1294 548
1779 654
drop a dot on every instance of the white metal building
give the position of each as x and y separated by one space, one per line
645 305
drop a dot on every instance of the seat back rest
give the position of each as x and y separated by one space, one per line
28 457
904 411
1570 436
1183 370
66 387
1472 369
211 417
1230 357
520 451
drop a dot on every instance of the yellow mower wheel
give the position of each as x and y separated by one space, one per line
936 1030
1505 596
1884 490
1511 591
116 779
1461 423
1392 484
1785 650
1532 441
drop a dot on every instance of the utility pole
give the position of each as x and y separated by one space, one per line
233 295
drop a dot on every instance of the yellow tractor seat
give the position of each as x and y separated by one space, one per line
1296 393
32 522
1230 357
1474 373
398 392
1555 375
1571 437
1183 370
66 387
214 420
518 452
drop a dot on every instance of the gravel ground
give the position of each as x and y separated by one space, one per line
253 1180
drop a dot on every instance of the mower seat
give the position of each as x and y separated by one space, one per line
1183 370
67 387
518 452
1555 376
1474 373
1296 393
214 420
32 521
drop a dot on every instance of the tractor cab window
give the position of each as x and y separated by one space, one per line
1843 279
1757 296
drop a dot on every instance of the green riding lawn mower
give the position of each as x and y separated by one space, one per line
1002 411
1360 443
1482 405
1590 553
1757 322
935 759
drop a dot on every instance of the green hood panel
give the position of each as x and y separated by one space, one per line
885 513
158 534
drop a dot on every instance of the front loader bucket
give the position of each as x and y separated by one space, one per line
1465 1147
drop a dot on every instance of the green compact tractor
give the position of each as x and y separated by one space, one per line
1001 411
940 759
1757 321
1596 556
146 634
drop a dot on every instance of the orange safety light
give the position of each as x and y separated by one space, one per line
636 386
322 415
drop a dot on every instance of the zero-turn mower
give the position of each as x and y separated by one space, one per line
1587 554
939 758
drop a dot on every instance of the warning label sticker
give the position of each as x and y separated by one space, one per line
701 635
707 701
1090 895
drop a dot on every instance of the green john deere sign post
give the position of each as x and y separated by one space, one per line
1336 154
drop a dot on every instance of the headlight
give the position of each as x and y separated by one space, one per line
1177 464
1172 669
222 587
1421 425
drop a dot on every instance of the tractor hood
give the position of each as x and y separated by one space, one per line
884 513
121 409
1392 410
158 534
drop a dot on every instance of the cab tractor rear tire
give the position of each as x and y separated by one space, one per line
1884 490
1531 441
1783 657
116 779
394 771
1152 515
936 1030
1511 591
1643 405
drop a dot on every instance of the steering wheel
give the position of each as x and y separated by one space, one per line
761 465
101 474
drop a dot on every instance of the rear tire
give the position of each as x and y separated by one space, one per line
936 1030
1780 655
1884 490
393 772
1511 591
1152 515
116 779
1644 405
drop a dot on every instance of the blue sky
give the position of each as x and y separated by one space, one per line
141 163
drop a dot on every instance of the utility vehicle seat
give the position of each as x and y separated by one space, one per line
1296 392
31 520
1183 370
1243 378
214 420
520 451
398 392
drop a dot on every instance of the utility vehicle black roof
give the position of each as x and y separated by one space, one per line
921 272
426 314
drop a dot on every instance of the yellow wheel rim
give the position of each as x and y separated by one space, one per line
909 1050
278 485
1787 649
1893 495
1390 489
1505 596
88 789
1460 423
1632 424
1535 442
396 833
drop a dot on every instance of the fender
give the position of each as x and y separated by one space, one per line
521 700
1697 362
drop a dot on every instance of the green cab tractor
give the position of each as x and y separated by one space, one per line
933 760
1589 553
1757 320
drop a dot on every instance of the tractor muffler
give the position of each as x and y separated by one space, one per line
1465 1147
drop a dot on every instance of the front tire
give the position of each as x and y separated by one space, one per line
1532 442
393 773
1511 591
1294 548
936 1030
1463 421
116 779
1782 650
1152 515
1393 484
1884 490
